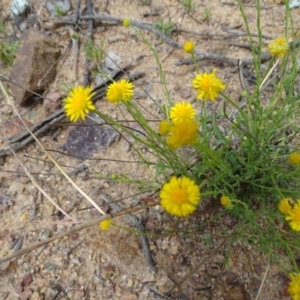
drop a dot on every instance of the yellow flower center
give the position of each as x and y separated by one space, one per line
78 103
294 158
120 91
224 200
116 94
206 83
180 195
126 23
188 47
164 127
183 112
297 215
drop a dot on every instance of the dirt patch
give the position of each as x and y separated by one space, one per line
92 264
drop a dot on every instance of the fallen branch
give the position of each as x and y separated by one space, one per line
87 73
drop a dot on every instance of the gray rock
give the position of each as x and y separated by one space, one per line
34 66
112 61
19 7
19 10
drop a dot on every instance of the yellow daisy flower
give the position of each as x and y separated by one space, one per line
180 196
79 103
208 86
225 201
285 205
278 47
183 134
164 127
294 216
126 23
294 158
294 286
104 225
182 111
120 91
189 47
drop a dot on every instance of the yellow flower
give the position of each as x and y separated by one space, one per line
208 86
126 23
182 111
294 158
180 196
189 47
225 201
279 47
79 103
183 134
120 91
285 206
164 127
294 216
104 225
294 286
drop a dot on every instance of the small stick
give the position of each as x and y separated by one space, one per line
19 244
141 229
75 44
159 294
78 3
73 248
86 73
34 208
263 281
267 76
77 170
75 49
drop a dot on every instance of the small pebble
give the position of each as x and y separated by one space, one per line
27 280
106 185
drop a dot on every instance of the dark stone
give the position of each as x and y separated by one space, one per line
85 139
34 66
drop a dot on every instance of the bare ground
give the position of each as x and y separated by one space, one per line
92 264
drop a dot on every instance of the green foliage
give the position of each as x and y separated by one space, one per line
206 14
165 27
59 12
67 87
8 51
189 5
146 2
93 52
2 27
8 48
242 149
247 162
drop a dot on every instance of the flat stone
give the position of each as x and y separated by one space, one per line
84 141
34 66
19 7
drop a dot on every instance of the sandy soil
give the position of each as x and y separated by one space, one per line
92 264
